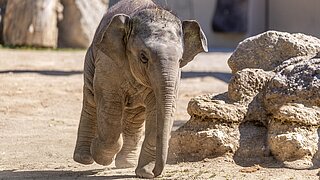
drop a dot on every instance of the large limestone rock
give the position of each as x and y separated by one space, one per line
293 144
246 87
217 107
268 50
80 20
297 81
31 23
199 139
271 109
247 83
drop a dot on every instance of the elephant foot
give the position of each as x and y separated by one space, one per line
104 154
145 171
83 156
126 159
125 162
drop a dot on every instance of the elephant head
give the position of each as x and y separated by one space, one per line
155 44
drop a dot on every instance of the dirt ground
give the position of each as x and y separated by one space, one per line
40 103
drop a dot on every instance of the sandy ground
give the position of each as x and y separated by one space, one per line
40 103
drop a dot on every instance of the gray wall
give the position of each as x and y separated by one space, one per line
203 11
282 15
295 16
257 22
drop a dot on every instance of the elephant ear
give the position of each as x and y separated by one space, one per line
194 39
111 38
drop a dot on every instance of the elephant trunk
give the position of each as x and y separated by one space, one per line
166 95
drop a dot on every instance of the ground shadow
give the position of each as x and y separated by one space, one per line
178 123
316 157
51 174
253 147
219 75
43 72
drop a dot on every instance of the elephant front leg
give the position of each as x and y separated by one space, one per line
147 156
87 129
109 140
133 120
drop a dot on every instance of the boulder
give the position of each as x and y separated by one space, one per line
268 50
291 143
31 23
297 81
247 83
246 88
212 130
79 22
217 108
295 113
199 139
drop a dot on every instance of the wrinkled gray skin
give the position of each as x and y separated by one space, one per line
131 76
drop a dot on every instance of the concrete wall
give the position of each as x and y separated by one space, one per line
203 11
295 16
282 15
257 21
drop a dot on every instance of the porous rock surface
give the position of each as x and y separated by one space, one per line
271 109
268 50
31 23
50 23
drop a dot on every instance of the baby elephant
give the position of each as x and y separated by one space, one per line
131 80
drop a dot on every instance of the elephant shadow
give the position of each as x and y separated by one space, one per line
43 72
223 76
59 174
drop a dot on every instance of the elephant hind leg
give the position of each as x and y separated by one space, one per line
133 121
86 131
108 141
103 152
88 120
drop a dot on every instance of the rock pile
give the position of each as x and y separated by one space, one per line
271 109
50 23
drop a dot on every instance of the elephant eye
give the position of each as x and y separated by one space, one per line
143 58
